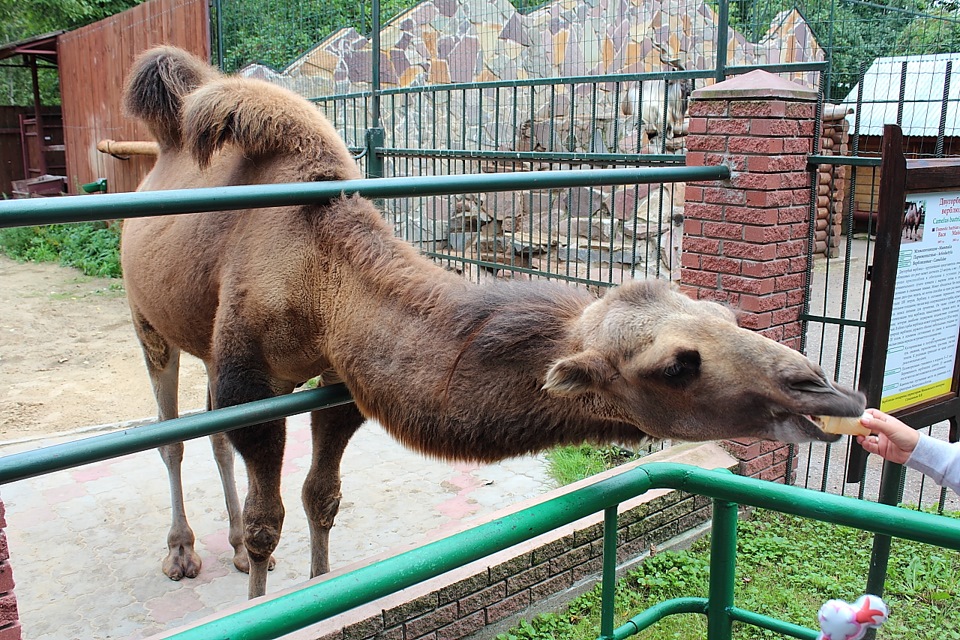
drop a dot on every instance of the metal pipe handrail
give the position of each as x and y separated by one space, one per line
59 457
319 601
39 211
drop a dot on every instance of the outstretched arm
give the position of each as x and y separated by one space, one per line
895 441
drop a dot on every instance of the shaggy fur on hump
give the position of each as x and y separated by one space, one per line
159 81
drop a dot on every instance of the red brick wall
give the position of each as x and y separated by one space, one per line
745 239
9 616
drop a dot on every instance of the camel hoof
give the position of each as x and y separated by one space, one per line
182 563
242 562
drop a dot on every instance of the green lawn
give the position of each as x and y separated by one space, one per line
787 568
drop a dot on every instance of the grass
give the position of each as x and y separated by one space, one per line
91 247
787 567
569 464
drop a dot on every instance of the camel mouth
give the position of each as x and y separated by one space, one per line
811 426
840 425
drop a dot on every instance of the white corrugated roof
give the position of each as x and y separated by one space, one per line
925 81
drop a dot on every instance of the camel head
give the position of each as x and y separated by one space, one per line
682 369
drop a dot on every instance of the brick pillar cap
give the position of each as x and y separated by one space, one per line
755 85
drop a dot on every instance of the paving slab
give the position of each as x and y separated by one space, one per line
86 544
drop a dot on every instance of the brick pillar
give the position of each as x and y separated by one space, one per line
745 239
9 616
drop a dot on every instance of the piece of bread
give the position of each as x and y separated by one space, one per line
850 426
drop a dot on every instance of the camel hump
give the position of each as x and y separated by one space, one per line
158 83
263 119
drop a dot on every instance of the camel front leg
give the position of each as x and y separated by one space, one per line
223 453
262 449
241 380
332 429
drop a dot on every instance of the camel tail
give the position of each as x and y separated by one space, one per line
263 119
158 83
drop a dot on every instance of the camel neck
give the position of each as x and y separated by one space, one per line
450 368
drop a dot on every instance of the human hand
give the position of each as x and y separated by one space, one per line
892 439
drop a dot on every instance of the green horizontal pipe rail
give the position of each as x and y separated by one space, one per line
844 161
547 82
29 464
658 612
537 82
785 67
40 211
461 259
843 322
309 605
538 156
661 610
777 626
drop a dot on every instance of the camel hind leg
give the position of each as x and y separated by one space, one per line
332 429
163 366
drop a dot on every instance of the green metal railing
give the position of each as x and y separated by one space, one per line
38 211
315 603
323 600
320 601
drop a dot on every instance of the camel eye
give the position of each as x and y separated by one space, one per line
684 368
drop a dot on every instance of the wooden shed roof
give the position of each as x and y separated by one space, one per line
43 47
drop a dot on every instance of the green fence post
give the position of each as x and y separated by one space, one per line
374 144
891 492
723 27
723 567
608 587
375 134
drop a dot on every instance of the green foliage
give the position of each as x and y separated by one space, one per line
544 627
936 33
276 32
852 32
569 464
28 18
91 247
787 567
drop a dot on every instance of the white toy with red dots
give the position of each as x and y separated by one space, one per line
841 620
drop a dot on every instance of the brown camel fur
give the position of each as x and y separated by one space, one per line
268 298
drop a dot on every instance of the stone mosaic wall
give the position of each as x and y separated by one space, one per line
444 41
615 236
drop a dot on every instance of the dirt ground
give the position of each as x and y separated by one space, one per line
68 355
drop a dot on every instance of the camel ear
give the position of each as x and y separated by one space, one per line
581 373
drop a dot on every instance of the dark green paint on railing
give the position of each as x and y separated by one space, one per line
29 464
39 211
319 601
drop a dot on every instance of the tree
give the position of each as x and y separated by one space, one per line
935 32
854 33
28 18
276 32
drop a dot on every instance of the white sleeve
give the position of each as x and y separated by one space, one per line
938 459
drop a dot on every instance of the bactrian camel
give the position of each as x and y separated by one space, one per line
269 298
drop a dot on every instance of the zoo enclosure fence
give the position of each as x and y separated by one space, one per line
315 603
566 111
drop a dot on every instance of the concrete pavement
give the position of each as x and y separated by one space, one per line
86 544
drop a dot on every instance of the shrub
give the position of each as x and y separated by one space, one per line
91 247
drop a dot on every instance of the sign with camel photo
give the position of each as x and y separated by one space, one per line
925 318
910 365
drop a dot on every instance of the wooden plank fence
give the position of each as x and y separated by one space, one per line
94 62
